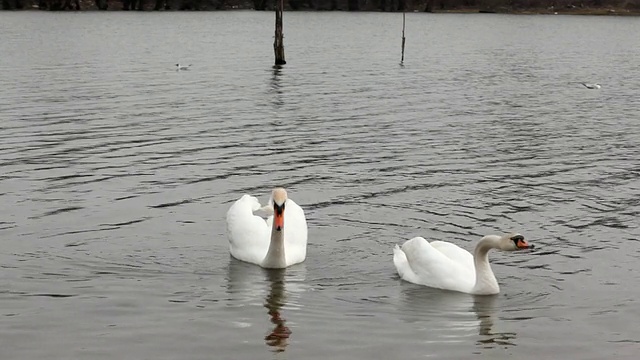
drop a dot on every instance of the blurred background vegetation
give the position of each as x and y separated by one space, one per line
612 7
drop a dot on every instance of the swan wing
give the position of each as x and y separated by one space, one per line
455 253
431 267
248 234
295 233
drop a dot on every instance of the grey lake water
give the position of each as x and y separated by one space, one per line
117 172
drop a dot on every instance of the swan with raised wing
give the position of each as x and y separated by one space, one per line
276 243
443 265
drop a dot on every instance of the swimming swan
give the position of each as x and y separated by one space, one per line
443 265
256 241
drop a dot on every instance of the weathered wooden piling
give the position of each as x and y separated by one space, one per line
278 43
403 38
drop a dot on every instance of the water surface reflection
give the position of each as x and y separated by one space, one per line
276 298
278 288
485 309
451 317
276 87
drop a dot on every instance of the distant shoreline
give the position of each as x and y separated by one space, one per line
586 12
290 6
550 11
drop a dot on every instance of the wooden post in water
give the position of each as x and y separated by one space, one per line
403 39
278 43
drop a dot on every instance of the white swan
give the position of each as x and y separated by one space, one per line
254 240
591 86
183 67
443 265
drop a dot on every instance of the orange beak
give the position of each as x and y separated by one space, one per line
278 221
523 244
278 217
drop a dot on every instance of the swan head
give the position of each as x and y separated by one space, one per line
279 198
513 242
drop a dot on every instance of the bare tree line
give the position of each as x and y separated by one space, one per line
340 5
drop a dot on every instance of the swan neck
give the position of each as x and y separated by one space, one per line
486 282
275 255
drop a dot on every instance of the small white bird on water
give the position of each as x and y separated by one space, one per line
591 86
182 67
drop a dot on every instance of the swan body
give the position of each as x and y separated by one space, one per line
182 67
278 242
444 265
591 86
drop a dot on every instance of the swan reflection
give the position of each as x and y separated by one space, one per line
274 289
456 316
274 302
484 307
